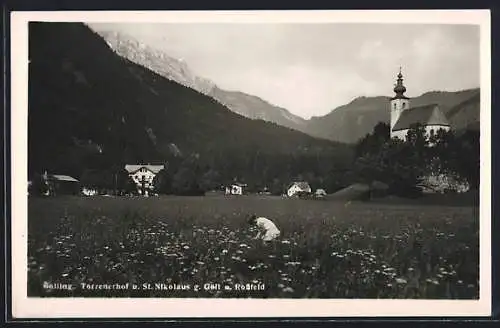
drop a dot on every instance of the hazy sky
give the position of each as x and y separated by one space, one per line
310 69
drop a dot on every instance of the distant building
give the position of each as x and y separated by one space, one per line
58 184
143 176
89 191
298 187
403 116
235 189
320 193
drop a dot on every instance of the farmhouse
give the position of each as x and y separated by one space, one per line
58 184
235 189
298 187
143 176
403 116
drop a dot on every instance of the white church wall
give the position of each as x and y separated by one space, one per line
400 134
397 107
435 128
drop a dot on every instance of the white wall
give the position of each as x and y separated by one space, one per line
401 105
148 178
295 189
401 134
237 190
234 190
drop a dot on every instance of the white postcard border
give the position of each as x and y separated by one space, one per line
24 307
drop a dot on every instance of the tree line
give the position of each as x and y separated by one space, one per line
403 165
376 157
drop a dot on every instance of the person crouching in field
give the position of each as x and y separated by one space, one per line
267 229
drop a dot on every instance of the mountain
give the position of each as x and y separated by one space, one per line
347 123
155 60
465 115
350 122
256 108
91 108
177 70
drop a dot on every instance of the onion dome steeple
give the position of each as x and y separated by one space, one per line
399 88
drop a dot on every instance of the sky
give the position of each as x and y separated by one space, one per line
311 69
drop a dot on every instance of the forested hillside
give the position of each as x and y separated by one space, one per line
90 109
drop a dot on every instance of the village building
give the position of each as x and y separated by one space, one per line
235 189
320 193
59 184
143 176
89 191
299 187
403 116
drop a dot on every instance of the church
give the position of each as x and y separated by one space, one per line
403 116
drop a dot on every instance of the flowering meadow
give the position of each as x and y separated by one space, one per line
177 246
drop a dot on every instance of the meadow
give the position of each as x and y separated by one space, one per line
327 249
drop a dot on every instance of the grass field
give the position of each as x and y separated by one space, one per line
328 249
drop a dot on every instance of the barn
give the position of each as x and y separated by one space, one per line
59 184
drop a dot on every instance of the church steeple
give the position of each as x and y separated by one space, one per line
399 103
399 88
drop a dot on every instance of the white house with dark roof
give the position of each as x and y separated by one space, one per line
143 176
403 116
235 188
298 187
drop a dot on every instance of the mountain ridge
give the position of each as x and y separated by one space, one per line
177 70
102 111
346 123
352 121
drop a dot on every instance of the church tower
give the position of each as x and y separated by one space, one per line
399 102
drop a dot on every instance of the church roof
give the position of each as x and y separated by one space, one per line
131 168
399 88
425 115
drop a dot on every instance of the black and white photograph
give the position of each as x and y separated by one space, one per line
232 157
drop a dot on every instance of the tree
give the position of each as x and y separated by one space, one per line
162 182
39 185
469 166
373 141
395 164
457 155
186 180
276 187
210 180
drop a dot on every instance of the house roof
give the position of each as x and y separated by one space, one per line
425 115
131 168
60 177
301 184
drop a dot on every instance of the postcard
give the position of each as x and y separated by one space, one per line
251 164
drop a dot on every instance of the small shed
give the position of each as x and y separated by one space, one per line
59 184
320 193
